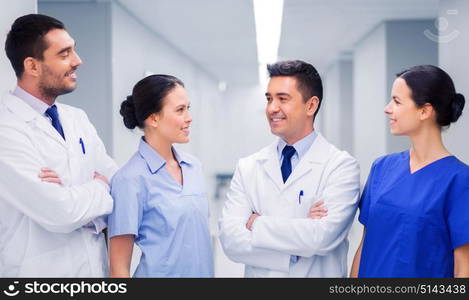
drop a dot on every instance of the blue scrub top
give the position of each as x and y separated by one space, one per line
169 221
414 221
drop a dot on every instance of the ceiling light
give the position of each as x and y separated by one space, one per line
268 19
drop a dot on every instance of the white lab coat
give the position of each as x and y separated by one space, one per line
44 227
283 229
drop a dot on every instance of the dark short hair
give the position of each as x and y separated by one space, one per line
430 84
146 99
26 39
309 82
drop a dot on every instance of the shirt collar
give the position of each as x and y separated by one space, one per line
37 104
301 147
182 157
154 159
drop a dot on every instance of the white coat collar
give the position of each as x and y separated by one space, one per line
29 115
314 159
37 104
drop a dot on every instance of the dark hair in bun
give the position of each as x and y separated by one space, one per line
127 111
430 84
146 99
458 106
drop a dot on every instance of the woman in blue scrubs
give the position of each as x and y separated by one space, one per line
160 201
415 205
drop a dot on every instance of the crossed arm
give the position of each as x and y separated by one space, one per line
316 211
269 241
120 247
49 175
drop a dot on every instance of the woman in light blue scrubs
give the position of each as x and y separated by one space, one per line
415 205
160 201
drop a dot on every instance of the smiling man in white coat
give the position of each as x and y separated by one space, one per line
290 205
53 166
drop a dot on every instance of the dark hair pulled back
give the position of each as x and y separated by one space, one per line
430 84
146 99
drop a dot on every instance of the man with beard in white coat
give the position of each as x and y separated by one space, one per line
54 169
290 205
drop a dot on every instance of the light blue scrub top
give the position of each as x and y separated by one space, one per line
414 221
169 221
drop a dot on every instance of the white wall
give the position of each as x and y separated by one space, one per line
330 106
337 107
370 94
245 126
391 47
242 129
454 59
10 10
407 46
338 120
136 50
89 24
347 107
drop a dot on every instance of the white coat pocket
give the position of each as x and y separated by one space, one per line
304 203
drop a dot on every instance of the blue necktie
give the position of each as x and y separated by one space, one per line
54 115
287 152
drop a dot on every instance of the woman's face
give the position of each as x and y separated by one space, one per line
404 115
174 118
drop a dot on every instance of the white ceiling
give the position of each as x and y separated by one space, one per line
319 31
219 35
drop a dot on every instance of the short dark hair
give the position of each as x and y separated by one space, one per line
308 80
146 99
26 39
430 84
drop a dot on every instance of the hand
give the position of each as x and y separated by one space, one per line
49 175
101 177
317 211
251 221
